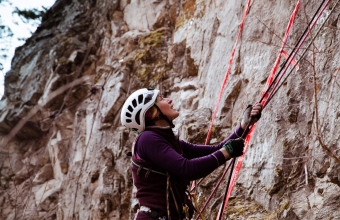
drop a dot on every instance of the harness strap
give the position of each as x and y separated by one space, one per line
173 196
139 168
153 213
147 173
147 169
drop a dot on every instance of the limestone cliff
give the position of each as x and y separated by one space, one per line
63 149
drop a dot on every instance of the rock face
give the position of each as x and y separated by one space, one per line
70 79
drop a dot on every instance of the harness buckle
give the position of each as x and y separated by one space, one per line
152 213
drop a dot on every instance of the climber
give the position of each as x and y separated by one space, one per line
162 165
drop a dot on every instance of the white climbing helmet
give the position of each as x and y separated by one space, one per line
135 107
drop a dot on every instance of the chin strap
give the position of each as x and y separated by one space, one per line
162 116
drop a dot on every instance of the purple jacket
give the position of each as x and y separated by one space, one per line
158 148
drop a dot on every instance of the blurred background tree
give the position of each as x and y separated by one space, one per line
5 36
13 20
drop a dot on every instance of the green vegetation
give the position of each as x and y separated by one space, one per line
150 59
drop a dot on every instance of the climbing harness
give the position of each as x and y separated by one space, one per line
148 170
140 164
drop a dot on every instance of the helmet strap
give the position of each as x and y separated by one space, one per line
161 116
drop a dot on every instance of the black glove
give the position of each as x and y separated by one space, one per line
234 147
248 120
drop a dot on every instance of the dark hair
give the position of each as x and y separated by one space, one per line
150 115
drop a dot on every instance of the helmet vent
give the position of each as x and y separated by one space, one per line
134 103
140 99
137 116
132 114
148 98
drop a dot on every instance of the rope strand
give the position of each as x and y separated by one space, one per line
275 89
297 45
289 60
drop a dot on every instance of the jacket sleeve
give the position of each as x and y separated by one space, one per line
196 150
154 148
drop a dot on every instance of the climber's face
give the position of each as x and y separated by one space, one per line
166 106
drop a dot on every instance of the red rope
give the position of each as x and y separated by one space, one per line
277 62
265 96
293 62
291 59
248 138
215 189
269 81
236 171
224 82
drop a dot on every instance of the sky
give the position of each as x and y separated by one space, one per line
19 28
